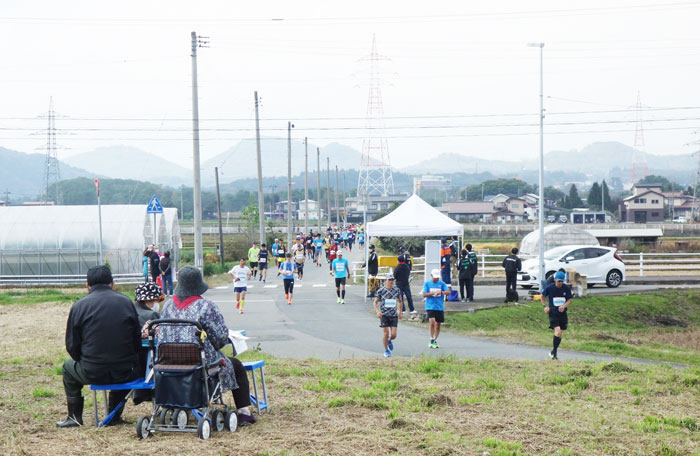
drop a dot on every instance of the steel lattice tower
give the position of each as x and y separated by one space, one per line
375 165
52 174
640 168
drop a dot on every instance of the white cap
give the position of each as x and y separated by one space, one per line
339 253
435 273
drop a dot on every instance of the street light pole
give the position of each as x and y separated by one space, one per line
289 186
541 174
306 185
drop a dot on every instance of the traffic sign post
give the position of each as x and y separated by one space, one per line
154 207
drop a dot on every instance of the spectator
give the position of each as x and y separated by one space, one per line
103 339
512 265
146 261
467 267
155 262
166 273
402 274
148 297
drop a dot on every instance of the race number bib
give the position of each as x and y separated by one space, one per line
280 252
558 302
390 303
300 255
262 260
340 267
435 290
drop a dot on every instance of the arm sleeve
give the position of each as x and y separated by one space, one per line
520 265
426 289
503 263
568 294
73 339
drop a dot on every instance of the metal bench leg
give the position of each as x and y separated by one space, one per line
104 396
255 388
262 375
94 404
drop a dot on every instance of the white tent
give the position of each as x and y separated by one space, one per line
414 217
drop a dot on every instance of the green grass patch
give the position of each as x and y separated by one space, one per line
626 326
42 392
37 296
652 423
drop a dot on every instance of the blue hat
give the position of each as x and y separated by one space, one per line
443 240
559 276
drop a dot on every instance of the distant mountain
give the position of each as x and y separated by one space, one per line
459 163
240 161
126 162
23 174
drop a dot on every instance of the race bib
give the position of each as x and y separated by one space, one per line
390 303
435 290
242 275
558 302
340 267
280 252
262 260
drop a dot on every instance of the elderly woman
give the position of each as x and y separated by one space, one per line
188 304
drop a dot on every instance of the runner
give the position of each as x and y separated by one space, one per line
275 248
253 258
263 259
318 249
351 239
310 246
361 239
299 258
240 274
433 292
559 295
389 300
332 253
340 270
281 251
288 267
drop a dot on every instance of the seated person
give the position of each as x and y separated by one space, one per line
188 304
103 338
147 299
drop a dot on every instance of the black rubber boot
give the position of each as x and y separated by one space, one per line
115 397
75 413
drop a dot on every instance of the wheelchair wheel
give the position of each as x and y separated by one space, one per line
219 420
165 416
179 418
142 427
204 429
231 420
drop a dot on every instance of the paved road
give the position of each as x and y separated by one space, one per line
316 326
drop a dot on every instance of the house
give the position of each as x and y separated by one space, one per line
313 210
516 205
499 201
467 211
645 205
356 209
504 216
280 211
580 216
679 204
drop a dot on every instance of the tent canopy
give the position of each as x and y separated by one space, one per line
415 217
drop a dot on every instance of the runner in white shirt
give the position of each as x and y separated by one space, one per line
240 274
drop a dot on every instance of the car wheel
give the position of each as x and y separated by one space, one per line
549 274
613 279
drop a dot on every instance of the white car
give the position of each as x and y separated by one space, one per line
599 264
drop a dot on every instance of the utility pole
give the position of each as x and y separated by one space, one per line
182 202
289 186
345 206
541 270
99 216
261 197
337 208
306 185
218 208
328 190
318 188
196 191
7 196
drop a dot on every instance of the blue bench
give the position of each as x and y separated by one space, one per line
254 398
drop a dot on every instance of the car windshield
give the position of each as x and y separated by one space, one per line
555 253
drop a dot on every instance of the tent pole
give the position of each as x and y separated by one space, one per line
367 241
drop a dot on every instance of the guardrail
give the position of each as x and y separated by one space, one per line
21 280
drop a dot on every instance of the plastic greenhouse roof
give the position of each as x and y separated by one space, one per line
76 227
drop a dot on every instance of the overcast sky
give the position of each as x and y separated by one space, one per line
120 73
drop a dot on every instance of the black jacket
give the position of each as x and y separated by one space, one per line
164 266
155 264
511 263
373 264
103 331
401 274
468 266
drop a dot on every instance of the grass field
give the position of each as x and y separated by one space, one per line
432 406
660 326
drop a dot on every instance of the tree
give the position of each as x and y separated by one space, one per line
553 194
595 196
605 193
494 186
666 185
251 215
573 200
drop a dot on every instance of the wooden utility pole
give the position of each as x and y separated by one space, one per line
218 209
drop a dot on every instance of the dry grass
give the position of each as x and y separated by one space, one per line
688 339
375 406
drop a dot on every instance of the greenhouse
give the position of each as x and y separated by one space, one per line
58 244
554 236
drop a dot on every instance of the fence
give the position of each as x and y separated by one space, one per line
641 262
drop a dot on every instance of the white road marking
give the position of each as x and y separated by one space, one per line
222 288
271 286
319 285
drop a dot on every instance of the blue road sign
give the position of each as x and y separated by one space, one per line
154 207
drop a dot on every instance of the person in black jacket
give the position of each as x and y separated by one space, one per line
103 338
166 273
468 268
154 262
512 265
402 274
372 270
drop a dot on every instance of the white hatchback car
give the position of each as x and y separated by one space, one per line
599 264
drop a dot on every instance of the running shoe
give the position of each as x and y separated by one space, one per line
387 354
414 312
342 301
338 300
289 302
553 355
391 345
240 311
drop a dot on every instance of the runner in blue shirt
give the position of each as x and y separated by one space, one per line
434 291
340 268
287 269
275 248
361 238
559 295
318 250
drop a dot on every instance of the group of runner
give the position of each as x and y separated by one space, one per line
388 300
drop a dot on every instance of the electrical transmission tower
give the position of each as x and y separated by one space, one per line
52 174
640 168
375 165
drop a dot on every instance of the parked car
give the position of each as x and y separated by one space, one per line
563 219
599 264
551 218
680 219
